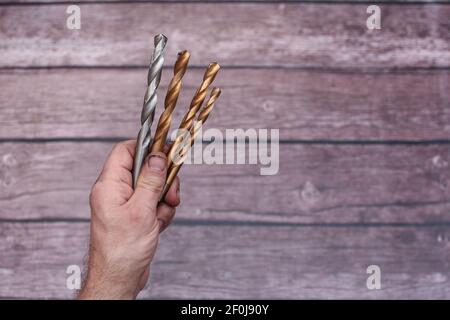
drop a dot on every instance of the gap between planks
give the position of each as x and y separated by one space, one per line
260 2
287 142
333 70
222 223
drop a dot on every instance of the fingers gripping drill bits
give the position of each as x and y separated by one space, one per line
178 150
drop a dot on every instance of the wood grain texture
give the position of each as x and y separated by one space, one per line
312 70
243 262
298 35
315 184
304 105
50 2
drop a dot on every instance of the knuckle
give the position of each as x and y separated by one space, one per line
97 196
136 215
176 202
122 146
165 220
153 184
119 147
95 191
161 224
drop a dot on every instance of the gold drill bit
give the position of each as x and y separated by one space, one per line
196 103
202 117
170 102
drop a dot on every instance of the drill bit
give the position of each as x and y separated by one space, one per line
170 102
173 170
148 109
196 103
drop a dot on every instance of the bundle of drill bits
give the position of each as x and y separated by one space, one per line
189 126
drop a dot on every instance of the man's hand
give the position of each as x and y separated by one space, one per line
125 224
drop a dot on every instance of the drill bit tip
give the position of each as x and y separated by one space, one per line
216 92
183 57
160 37
214 66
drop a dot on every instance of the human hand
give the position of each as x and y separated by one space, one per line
126 223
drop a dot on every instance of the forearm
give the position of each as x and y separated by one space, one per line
102 285
107 279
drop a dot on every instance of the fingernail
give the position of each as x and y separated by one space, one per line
157 162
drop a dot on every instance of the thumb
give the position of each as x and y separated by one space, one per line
151 180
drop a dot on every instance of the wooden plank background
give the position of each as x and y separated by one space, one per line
364 154
288 35
412 107
316 183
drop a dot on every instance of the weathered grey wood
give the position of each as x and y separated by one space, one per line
243 262
215 1
315 184
301 35
304 105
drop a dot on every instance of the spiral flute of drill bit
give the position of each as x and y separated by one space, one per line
196 103
150 100
170 102
175 167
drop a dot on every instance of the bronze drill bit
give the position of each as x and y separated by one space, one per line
170 102
206 111
196 103
173 170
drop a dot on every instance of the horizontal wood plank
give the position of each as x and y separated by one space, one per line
299 35
315 184
50 2
304 105
243 262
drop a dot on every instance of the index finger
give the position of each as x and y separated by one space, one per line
119 164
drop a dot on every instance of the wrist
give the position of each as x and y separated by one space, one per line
99 286
108 281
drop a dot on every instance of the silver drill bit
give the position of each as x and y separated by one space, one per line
150 99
